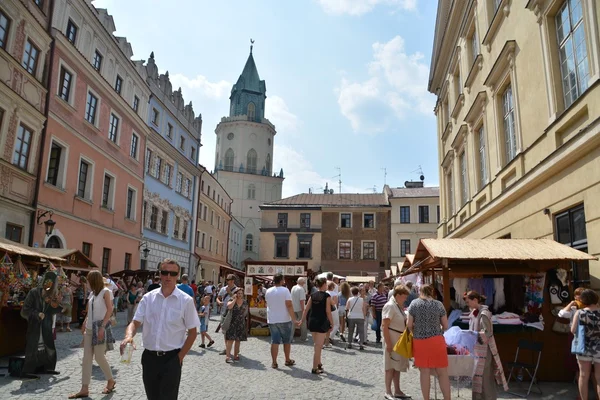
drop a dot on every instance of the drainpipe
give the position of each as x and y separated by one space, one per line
36 192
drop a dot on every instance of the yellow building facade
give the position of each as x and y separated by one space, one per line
518 121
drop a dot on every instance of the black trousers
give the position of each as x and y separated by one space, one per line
161 375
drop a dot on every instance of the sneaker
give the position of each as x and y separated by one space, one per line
211 343
349 346
343 338
331 341
356 340
361 348
202 346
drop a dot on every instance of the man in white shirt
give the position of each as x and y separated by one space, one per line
298 302
281 319
167 315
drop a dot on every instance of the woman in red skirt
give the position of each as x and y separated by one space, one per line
427 321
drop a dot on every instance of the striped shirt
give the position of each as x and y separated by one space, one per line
378 301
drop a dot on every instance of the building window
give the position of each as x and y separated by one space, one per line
405 214
118 84
423 214
30 57
108 191
163 222
203 241
133 151
54 164
176 227
13 232
344 250
251 192
438 214
571 231
113 128
21 154
281 246
169 131
212 218
229 160
574 67
404 247
136 103
464 178
97 61
127 263
304 220
167 175
179 183
90 108
157 167
268 164
187 186
82 186
66 78
105 260
368 250
193 154
130 210
510 137
249 242
369 220
4 27
210 244
251 161
450 185
345 220
205 212
153 217
482 157
282 220
182 143
71 31
155 116
86 249
148 160
251 111
474 41
304 246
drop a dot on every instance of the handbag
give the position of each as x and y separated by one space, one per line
404 345
226 323
578 343
96 325
561 327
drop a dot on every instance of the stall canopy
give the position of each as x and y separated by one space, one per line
360 279
21 249
75 260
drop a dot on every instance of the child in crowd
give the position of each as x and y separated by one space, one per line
204 314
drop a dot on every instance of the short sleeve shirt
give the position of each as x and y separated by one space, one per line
224 295
298 295
397 318
426 315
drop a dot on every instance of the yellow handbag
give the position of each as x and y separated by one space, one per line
404 345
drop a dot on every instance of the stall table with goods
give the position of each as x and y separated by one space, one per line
525 282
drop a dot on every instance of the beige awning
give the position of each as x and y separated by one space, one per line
360 279
17 248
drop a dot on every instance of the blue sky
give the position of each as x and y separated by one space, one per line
346 79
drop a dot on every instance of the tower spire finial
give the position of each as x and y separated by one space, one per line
251 45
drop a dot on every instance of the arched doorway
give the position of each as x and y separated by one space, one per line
54 243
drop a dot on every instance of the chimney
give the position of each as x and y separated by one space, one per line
326 190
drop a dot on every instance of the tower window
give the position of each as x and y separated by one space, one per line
251 111
251 161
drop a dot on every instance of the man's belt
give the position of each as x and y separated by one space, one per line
159 353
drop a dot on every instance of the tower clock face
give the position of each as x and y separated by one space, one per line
230 136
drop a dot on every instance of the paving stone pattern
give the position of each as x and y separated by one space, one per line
351 374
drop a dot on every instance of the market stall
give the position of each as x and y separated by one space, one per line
20 266
524 280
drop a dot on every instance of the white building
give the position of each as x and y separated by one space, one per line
244 156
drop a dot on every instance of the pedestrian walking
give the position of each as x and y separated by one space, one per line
356 313
131 302
589 318
299 302
97 335
393 325
237 331
167 315
64 317
184 286
332 291
342 300
224 295
204 314
320 321
155 284
378 300
427 320
281 319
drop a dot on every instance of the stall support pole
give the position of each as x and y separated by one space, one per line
446 282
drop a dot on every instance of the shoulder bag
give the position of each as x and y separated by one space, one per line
226 323
96 325
578 343
404 345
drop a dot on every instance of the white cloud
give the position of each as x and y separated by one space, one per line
300 175
279 114
213 90
396 87
359 7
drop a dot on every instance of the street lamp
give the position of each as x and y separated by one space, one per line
49 223
146 250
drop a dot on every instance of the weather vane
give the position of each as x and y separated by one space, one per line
251 45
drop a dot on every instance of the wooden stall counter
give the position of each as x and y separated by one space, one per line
12 331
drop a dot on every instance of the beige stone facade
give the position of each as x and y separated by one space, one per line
415 215
212 229
518 127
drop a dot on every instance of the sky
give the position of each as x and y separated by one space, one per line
346 80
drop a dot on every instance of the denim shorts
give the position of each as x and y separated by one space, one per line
281 333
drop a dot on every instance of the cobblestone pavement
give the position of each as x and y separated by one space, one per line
351 374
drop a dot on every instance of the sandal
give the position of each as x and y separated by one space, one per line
236 358
317 371
108 390
69 329
79 396
290 362
228 360
274 366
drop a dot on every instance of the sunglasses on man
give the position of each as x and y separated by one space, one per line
165 273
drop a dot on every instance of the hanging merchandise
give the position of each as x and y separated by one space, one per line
488 291
499 297
460 285
534 293
5 272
